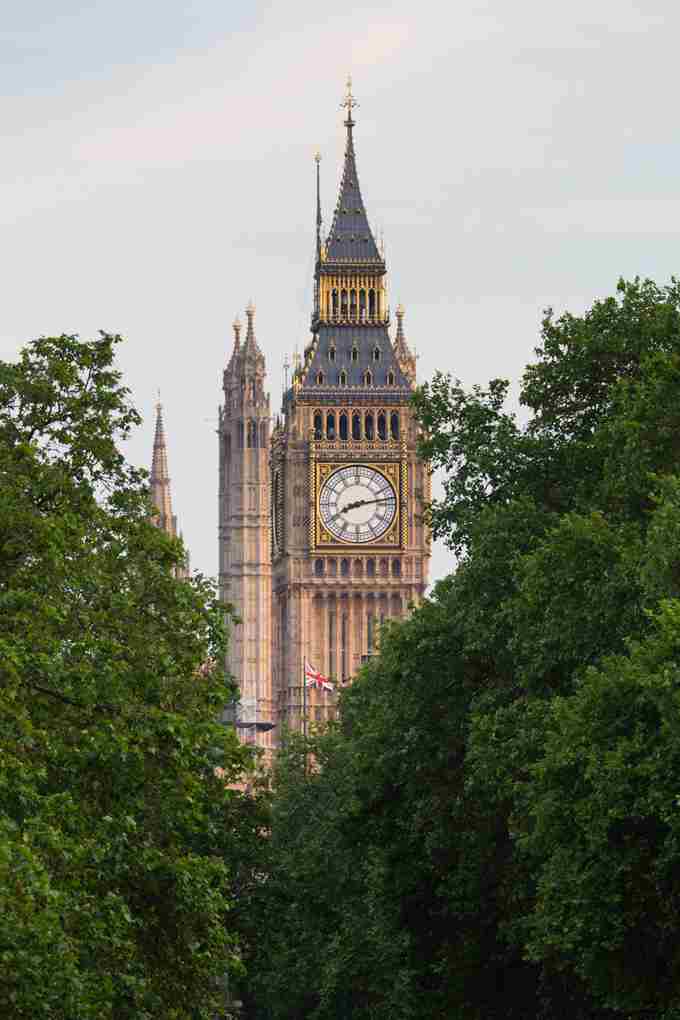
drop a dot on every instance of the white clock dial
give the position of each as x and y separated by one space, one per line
357 504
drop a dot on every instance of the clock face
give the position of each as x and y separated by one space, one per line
357 504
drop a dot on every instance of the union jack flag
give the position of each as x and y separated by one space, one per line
315 679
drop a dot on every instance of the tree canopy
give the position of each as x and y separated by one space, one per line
491 828
121 849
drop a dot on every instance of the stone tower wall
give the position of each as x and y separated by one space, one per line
244 535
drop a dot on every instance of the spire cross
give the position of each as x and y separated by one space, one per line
349 103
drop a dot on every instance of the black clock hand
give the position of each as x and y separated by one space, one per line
359 503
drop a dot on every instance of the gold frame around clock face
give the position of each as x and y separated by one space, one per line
324 537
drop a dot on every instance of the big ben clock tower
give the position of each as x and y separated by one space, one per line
349 549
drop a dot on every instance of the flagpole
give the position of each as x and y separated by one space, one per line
304 707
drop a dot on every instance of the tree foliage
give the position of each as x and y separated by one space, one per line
491 828
120 847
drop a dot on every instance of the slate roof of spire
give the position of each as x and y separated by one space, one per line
350 237
365 341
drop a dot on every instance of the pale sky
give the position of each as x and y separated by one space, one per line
157 173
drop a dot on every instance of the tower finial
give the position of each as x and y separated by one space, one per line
236 325
349 103
250 315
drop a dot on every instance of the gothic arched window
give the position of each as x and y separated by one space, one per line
335 304
382 426
355 353
344 568
376 354
318 568
331 354
330 426
356 426
343 304
370 568
319 379
318 425
368 426
396 568
368 378
343 426
390 378
343 378
362 304
353 303
394 425
371 303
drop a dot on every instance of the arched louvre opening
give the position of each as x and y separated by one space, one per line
318 425
343 426
356 426
394 425
368 426
382 426
330 426
343 304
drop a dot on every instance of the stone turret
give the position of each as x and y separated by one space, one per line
244 530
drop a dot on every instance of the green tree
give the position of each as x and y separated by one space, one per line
497 802
117 855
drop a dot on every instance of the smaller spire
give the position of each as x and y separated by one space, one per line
405 356
317 160
236 326
159 479
250 347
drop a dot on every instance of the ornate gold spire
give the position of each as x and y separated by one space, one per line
349 103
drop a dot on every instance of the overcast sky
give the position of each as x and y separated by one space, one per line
156 173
